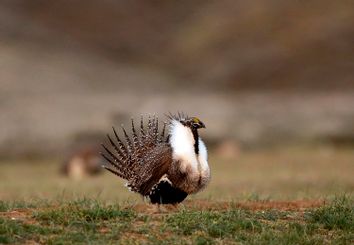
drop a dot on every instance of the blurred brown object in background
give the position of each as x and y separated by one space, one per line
81 163
228 149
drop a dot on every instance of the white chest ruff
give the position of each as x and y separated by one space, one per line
194 165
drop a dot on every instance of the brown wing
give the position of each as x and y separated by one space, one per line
143 159
154 165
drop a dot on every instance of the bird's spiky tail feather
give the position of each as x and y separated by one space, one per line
143 159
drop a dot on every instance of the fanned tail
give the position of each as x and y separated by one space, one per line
126 159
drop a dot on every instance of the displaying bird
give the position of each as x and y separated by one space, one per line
164 169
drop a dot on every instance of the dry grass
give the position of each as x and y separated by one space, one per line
278 174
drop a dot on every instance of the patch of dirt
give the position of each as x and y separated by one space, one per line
298 205
104 230
23 215
155 209
134 236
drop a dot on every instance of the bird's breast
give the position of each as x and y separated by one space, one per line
190 176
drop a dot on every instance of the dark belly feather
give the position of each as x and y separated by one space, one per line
165 193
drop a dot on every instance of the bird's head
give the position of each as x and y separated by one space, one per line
193 123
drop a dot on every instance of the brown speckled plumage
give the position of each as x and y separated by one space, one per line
143 160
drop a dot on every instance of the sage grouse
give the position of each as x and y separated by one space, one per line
164 169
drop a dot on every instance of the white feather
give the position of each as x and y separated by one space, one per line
182 142
203 157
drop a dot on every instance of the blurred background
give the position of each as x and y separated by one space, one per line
272 80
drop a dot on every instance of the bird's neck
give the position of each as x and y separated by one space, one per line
196 141
184 141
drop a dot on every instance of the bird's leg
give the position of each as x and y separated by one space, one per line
153 208
179 206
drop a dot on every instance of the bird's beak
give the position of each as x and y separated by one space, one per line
201 125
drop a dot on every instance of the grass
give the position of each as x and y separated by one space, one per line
339 215
82 211
283 174
87 221
278 196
